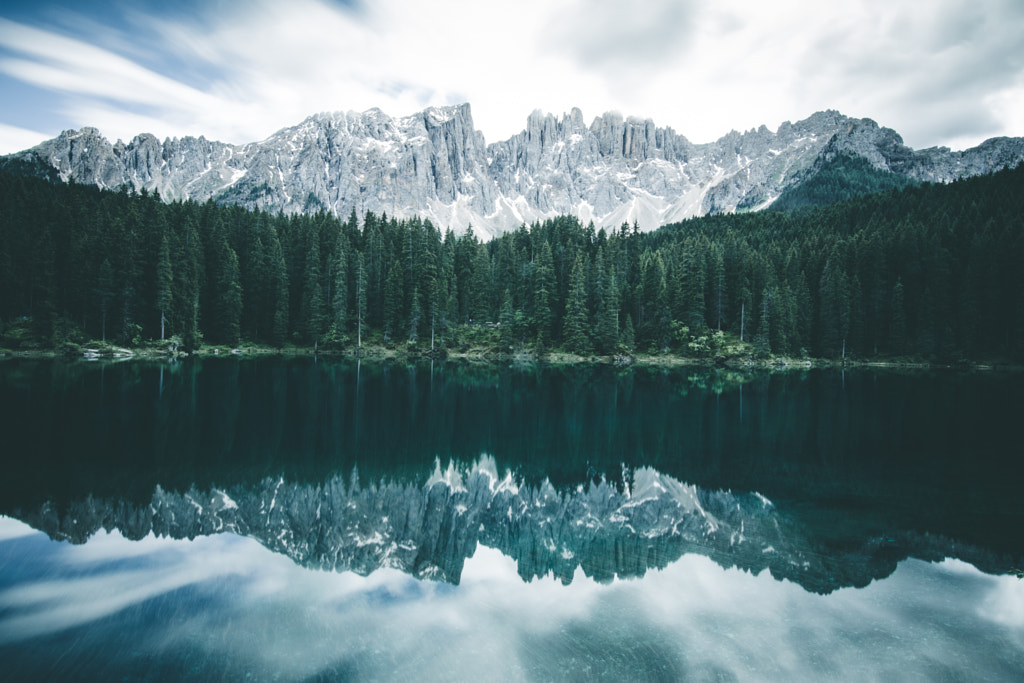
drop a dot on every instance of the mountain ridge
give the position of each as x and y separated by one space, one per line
435 164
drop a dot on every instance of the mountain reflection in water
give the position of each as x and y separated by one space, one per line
277 519
428 529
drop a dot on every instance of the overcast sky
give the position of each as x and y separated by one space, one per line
945 72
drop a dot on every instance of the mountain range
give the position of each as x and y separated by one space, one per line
436 165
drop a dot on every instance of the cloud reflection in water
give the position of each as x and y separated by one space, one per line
226 605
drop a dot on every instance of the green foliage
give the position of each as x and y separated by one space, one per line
19 335
842 178
133 334
334 339
576 338
628 338
930 271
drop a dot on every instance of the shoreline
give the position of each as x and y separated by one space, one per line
91 353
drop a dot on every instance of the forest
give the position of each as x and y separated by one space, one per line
921 272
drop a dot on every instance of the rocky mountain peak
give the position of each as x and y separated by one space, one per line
436 165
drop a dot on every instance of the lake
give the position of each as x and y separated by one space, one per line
317 519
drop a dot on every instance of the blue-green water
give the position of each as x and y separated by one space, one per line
292 520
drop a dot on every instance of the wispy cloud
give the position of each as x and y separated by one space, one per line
239 71
69 65
14 138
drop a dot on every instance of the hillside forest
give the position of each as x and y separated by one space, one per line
931 272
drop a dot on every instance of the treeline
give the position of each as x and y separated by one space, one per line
931 271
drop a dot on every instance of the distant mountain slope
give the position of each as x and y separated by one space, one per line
435 164
838 179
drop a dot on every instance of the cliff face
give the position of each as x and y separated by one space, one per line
436 165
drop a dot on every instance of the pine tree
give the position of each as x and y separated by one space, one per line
606 332
311 311
718 299
189 266
834 310
392 313
105 290
281 308
574 333
628 338
691 292
762 338
229 297
506 319
360 301
898 335
339 304
544 290
480 286
164 283
655 318
415 315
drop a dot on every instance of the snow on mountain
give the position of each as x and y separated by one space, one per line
436 165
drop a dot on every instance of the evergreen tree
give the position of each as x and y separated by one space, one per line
898 334
105 291
164 282
393 294
189 266
691 290
279 331
339 304
415 316
762 338
480 286
360 301
628 338
718 297
311 311
655 318
606 332
544 287
506 319
574 334
229 297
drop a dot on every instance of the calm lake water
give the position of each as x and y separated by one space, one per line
292 520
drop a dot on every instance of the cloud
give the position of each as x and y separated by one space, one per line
616 35
238 72
69 65
13 138
931 75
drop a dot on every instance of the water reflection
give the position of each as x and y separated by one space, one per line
225 607
277 519
853 455
204 420
427 529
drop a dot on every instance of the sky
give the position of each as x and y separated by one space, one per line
946 72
